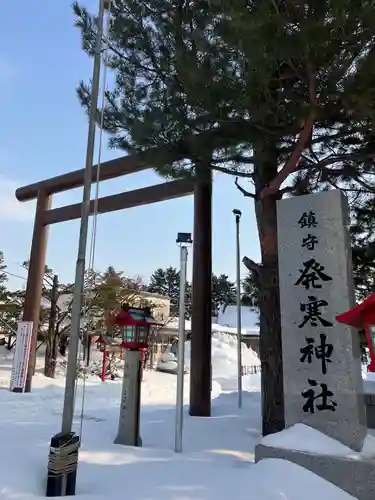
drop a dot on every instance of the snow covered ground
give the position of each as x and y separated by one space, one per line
218 452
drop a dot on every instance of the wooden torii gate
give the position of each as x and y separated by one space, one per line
200 378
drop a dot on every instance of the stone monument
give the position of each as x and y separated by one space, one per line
321 358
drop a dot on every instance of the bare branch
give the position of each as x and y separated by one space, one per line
243 190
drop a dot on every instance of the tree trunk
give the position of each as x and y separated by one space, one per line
201 328
268 277
51 344
49 362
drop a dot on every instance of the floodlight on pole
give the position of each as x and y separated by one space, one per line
237 213
183 240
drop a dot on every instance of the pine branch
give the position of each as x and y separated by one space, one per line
231 171
350 157
247 160
291 164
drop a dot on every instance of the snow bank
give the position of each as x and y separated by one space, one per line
301 437
224 355
368 382
368 376
228 327
224 362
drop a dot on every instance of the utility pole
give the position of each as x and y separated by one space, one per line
71 373
238 214
63 456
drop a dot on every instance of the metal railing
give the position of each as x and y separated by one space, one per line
250 369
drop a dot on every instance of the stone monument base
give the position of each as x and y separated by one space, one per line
354 475
370 410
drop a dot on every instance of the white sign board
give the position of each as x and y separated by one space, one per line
21 356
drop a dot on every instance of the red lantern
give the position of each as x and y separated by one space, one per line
135 324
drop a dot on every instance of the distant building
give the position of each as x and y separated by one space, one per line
160 304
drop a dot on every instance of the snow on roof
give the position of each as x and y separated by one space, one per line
219 328
249 318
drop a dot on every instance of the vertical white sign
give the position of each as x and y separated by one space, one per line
21 356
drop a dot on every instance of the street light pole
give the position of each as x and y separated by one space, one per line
183 239
63 456
238 214
71 373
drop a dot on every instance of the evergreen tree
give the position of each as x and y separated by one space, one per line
223 292
11 304
266 90
3 275
250 292
4 293
111 291
167 282
363 247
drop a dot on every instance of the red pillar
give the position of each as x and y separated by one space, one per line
35 278
371 366
104 365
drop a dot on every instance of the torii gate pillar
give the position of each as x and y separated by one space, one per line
35 276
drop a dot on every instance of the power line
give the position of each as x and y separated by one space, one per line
15 275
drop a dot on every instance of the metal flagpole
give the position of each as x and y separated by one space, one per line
238 214
68 410
182 239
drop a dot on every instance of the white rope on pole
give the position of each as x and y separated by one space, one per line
96 199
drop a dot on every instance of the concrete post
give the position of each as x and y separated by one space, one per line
129 421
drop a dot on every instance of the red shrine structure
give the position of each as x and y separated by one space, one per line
362 316
135 329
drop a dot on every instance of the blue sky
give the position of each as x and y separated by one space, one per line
43 133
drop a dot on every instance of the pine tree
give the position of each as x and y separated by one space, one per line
111 291
11 304
223 292
4 293
167 282
266 90
250 292
363 247
3 277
